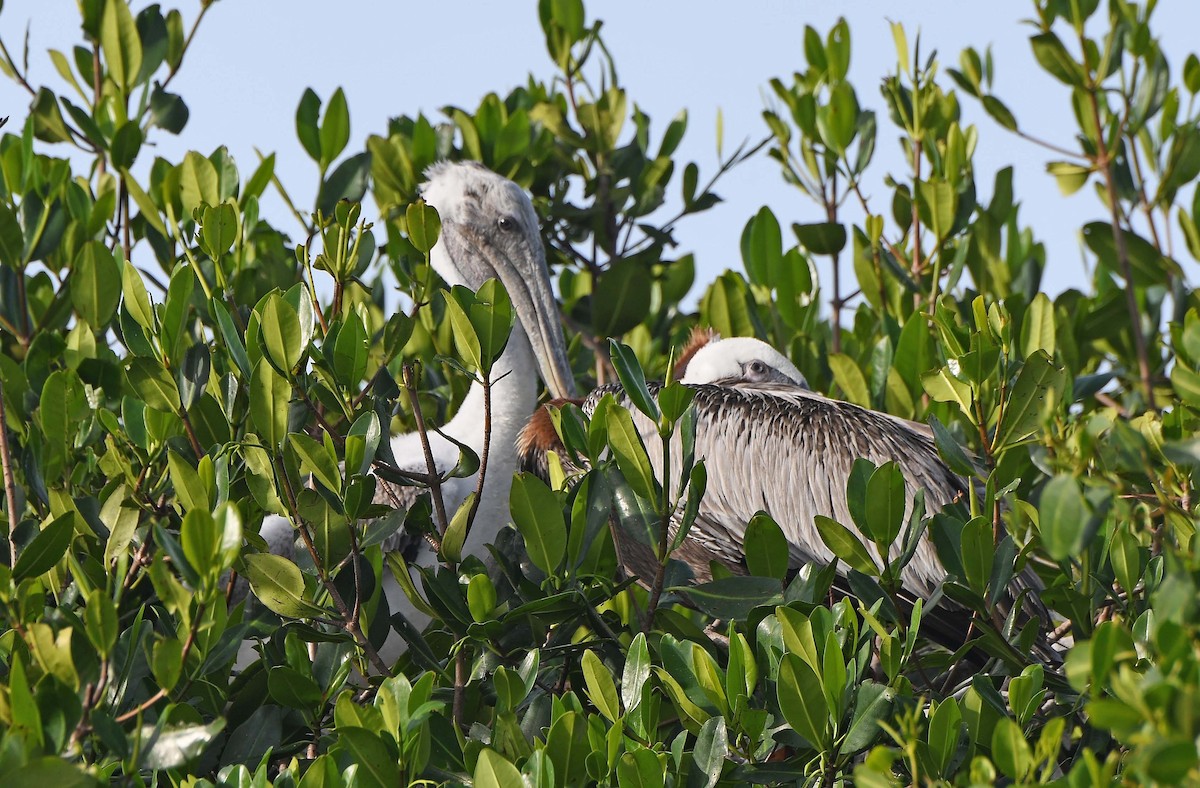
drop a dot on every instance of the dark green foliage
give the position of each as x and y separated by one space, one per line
175 368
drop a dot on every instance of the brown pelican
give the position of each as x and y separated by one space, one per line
773 445
738 360
488 230
706 358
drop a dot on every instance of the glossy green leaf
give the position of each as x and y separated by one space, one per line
270 395
538 516
278 583
845 545
599 686
766 547
802 700
1062 518
1033 398
849 379
636 673
95 284
493 771
316 459
120 43
335 128
46 549
633 380
885 503
630 453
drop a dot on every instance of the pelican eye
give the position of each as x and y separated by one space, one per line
758 368
507 224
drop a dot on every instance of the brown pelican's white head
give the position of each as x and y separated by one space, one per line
741 360
489 229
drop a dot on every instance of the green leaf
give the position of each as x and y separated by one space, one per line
100 621
538 516
1055 60
567 746
762 246
849 379
938 203
335 128
46 549
636 673
802 700
424 225
306 124
837 121
270 395
885 501
167 111
125 145
137 300
493 771
279 585
845 545
120 43
766 547
493 317
633 380
466 341
1069 176
481 598
828 238
1010 750
944 387
711 752
630 453
219 229
456 531
166 662
945 727
639 768
999 112
95 284
1034 396
622 297
316 459
281 334
872 705
198 183
1125 555
1038 328
377 766
1062 518
732 598
191 492
599 686
351 350
978 549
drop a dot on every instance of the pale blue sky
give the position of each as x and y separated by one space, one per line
252 60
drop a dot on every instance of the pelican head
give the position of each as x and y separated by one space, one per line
489 229
741 360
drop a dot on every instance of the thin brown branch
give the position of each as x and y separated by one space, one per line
164 692
10 487
1104 162
349 622
435 483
